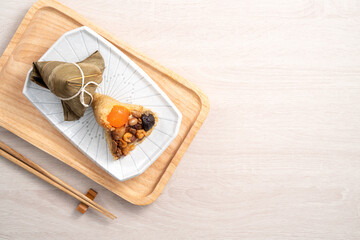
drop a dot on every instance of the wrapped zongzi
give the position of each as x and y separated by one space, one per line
73 83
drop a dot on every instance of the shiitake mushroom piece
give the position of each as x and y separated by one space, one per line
148 121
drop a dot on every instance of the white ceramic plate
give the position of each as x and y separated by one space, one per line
124 81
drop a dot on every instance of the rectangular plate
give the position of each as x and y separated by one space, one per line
43 24
124 81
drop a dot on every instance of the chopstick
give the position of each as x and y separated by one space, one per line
32 167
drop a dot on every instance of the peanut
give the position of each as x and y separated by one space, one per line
136 113
133 122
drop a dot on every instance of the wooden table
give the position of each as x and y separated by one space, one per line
278 156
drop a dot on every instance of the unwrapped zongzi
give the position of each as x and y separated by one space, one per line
125 125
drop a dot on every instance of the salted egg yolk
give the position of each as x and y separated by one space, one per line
118 116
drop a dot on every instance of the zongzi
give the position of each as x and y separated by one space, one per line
73 83
125 125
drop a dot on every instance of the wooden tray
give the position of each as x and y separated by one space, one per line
43 24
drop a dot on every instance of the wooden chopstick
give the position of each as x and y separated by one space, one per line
32 167
39 174
49 175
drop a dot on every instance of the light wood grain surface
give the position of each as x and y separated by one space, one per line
24 120
278 156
